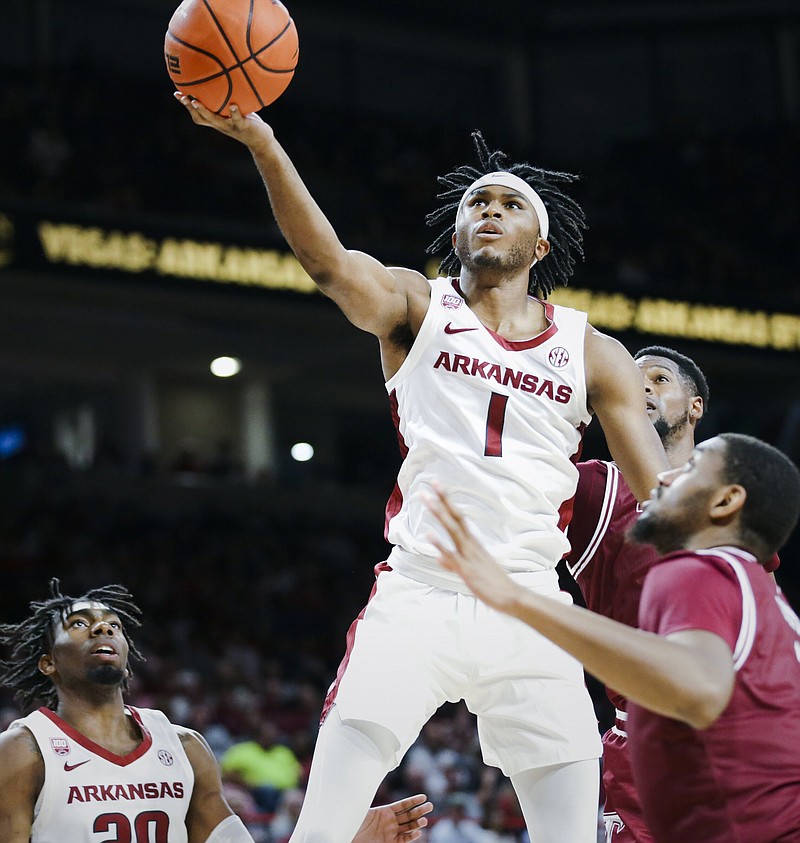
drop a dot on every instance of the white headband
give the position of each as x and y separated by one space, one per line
518 185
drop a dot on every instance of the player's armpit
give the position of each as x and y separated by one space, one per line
21 780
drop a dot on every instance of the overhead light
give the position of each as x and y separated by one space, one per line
302 451
226 367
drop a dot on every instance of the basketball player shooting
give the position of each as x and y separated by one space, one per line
491 387
86 766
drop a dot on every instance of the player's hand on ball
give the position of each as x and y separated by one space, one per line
468 558
247 129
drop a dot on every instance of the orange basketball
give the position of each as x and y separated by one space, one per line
231 51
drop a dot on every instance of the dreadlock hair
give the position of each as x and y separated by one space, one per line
567 219
31 638
691 375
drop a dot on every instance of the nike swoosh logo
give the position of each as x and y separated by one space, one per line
68 767
449 329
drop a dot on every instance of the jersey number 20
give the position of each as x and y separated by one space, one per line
148 827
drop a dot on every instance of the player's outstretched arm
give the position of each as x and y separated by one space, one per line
372 297
397 822
687 676
21 780
616 395
209 819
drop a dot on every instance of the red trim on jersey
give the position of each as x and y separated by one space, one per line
567 507
395 502
330 698
522 345
87 743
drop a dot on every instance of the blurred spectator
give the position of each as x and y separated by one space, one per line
455 825
285 817
263 765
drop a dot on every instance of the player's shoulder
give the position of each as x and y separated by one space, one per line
603 343
18 747
410 279
595 475
686 567
593 469
191 740
184 733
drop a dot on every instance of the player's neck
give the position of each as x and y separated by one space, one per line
679 451
716 537
99 717
505 307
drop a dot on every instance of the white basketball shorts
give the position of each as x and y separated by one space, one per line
417 646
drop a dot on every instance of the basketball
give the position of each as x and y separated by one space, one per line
231 51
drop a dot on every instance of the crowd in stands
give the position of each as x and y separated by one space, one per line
693 213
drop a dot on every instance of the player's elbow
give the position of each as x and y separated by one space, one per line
327 263
704 703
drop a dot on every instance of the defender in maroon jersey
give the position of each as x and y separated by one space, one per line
713 672
610 569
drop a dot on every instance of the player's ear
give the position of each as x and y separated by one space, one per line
727 502
46 665
696 408
542 248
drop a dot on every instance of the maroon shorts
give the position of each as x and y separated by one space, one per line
622 814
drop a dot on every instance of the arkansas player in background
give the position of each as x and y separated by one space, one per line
86 767
610 569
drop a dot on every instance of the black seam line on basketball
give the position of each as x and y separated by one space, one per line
223 72
226 72
250 47
197 49
234 54
255 53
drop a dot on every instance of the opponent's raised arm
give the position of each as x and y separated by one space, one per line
372 297
614 385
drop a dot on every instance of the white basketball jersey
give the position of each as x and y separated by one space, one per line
498 425
91 795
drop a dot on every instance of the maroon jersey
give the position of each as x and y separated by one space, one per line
608 568
739 779
610 572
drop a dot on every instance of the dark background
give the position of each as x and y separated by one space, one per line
132 462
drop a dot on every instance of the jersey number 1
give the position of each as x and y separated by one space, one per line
495 419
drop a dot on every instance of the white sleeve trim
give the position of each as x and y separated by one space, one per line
603 521
230 830
747 631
